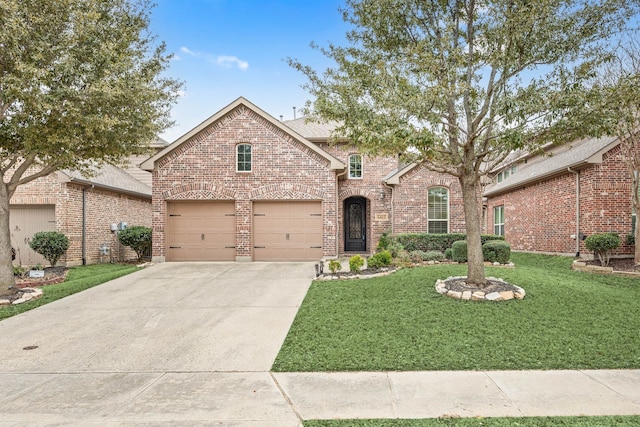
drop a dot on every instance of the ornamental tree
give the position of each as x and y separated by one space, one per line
618 113
457 85
81 84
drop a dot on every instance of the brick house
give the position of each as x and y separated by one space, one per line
541 203
244 186
84 209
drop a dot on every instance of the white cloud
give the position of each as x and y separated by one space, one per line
188 51
226 61
230 61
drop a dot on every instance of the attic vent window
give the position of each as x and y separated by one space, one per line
244 157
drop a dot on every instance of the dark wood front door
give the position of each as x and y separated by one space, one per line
355 224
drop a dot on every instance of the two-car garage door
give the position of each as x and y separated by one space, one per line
282 231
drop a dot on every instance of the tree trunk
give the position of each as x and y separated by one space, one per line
475 260
6 267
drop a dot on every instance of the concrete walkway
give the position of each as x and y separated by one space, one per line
192 344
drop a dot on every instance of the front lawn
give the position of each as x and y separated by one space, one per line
568 320
78 279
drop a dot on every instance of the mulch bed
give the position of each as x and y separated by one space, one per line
494 285
52 275
619 264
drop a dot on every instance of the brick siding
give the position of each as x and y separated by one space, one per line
204 168
103 208
541 217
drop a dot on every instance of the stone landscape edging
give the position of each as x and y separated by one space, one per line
582 266
30 294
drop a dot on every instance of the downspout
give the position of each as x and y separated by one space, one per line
577 174
338 175
392 205
84 223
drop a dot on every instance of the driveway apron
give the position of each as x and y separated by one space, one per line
174 343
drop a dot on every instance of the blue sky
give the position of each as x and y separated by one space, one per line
225 49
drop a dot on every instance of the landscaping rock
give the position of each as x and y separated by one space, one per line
493 296
507 295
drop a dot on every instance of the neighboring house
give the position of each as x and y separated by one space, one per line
550 202
83 209
243 186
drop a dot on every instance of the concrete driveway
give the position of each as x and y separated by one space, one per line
186 343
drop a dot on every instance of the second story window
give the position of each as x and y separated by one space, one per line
355 166
243 158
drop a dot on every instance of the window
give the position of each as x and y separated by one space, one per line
438 210
244 158
505 173
498 220
355 166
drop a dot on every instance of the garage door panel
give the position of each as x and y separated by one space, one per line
201 231
288 231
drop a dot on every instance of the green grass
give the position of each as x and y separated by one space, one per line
568 320
78 279
621 421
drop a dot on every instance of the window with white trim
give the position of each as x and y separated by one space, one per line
243 158
498 220
355 166
438 210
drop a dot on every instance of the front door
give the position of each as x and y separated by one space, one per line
355 224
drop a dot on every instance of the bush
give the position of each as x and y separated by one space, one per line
356 263
459 251
448 253
50 244
384 242
138 238
419 256
396 248
602 244
379 260
496 251
631 239
335 266
436 242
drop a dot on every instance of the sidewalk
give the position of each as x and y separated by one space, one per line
462 394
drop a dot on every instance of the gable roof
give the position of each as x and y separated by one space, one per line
110 178
578 155
316 132
149 164
394 177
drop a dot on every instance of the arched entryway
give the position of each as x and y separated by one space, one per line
355 224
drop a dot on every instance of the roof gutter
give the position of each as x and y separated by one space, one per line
108 187
84 223
578 234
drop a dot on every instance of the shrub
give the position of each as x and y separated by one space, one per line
433 256
379 260
496 251
335 266
459 251
384 242
395 248
631 239
448 253
436 242
18 270
602 244
138 238
50 244
356 263
418 256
